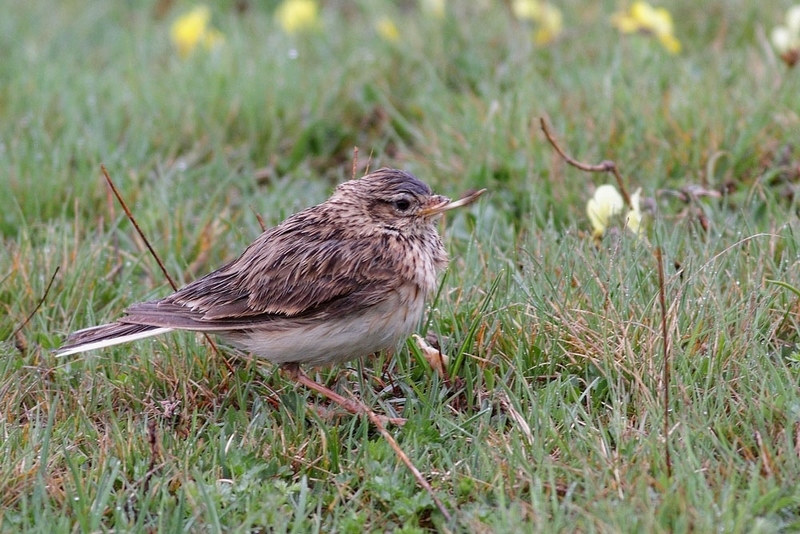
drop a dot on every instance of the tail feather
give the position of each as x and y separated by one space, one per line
107 335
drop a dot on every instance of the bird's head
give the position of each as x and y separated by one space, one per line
396 201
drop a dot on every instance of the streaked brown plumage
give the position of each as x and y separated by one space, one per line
336 281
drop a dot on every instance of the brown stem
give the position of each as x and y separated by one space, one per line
665 345
357 407
157 258
38 305
604 166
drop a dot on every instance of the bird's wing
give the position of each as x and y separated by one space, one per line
293 270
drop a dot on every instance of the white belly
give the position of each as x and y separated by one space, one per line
338 339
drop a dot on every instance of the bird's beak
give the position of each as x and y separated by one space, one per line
439 204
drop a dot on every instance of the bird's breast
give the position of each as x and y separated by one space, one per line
420 260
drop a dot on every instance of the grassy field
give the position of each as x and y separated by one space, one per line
554 419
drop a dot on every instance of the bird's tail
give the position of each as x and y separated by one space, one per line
107 335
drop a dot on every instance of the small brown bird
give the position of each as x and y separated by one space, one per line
336 281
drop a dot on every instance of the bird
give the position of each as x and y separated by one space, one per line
337 281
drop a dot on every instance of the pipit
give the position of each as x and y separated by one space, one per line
337 281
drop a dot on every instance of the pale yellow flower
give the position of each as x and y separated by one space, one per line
633 220
786 39
526 9
434 7
644 18
783 40
548 18
604 206
607 204
388 30
551 23
297 15
190 30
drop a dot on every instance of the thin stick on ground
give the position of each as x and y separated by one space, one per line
132 219
357 407
665 345
604 166
18 329
152 439
375 419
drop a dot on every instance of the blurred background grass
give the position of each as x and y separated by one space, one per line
553 420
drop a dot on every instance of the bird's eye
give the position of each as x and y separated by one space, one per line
402 204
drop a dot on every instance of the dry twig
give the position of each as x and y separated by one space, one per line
355 406
604 166
152 439
38 305
157 258
376 420
665 345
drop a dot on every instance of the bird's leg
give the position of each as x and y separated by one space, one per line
353 406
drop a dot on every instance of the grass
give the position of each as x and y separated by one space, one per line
554 420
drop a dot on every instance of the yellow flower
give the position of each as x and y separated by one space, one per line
551 23
633 220
643 18
602 207
607 203
526 9
297 15
548 19
434 7
192 29
387 30
786 39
